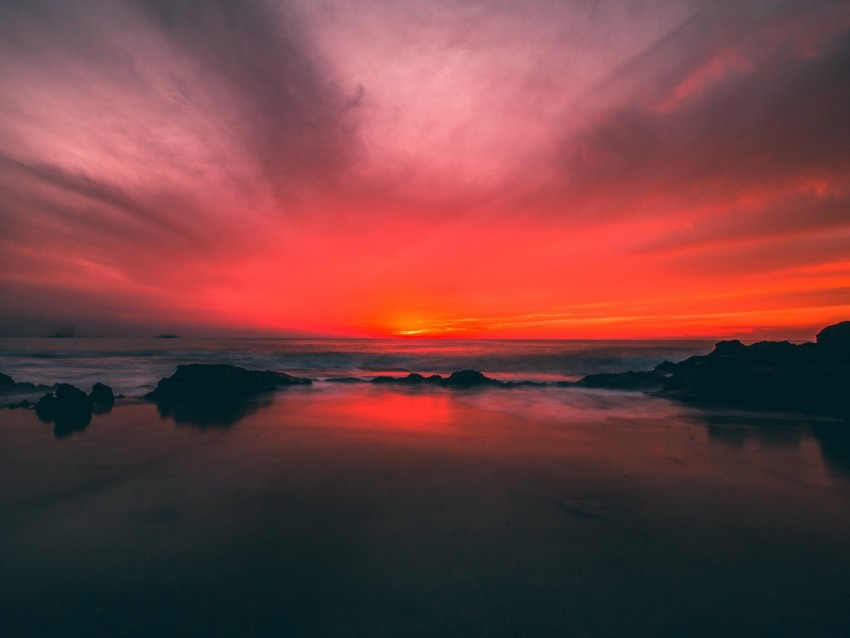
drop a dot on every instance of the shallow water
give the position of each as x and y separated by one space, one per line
420 511
133 366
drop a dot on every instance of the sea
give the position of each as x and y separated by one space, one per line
367 509
133 366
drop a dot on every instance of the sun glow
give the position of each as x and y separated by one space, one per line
454 171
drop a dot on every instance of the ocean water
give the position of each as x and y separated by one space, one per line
133 366
371 510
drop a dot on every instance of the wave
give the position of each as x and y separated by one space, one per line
133 366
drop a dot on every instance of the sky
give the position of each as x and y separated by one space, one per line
458 168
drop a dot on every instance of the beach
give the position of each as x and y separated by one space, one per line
355 510
422 318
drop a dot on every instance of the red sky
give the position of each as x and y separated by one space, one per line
502 168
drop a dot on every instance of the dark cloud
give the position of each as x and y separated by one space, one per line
52 184
794 215
306 160
292 114
747 121
731 261
146 139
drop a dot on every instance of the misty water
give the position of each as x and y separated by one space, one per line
367 510
133 366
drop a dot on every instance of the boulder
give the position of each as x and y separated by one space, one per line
835 338
665 367
772 375
101 395
460 379
652 380
468 379
724 348
413 378
198 383
68 408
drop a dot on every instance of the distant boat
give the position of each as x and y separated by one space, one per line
65 332
167 337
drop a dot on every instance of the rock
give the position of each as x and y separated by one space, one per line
69 409
45 409
773 375
770 375
624 381
101 395
412 378
5 379
835 338
199 382
12 395
468 379
461 379
206 395
665 367
728 347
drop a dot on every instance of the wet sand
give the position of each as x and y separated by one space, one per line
364 511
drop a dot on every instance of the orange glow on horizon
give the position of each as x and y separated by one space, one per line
520 170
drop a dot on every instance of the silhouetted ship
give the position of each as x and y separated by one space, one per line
65 332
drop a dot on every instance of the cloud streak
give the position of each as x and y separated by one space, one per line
498 168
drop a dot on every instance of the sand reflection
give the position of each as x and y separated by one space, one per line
358 510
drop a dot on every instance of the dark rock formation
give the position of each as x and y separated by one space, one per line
468 379
652 380
198 382
414 378
19 395
46 408
101 395
835 338
68 408
770 375
461 379
207 395
665 367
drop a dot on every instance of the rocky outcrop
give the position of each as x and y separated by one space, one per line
652 380
835 338
102 396
215 395
198 382
68 408
460 379
809 377
771 375
469 379
19 395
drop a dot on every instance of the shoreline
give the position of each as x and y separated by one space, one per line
355 509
